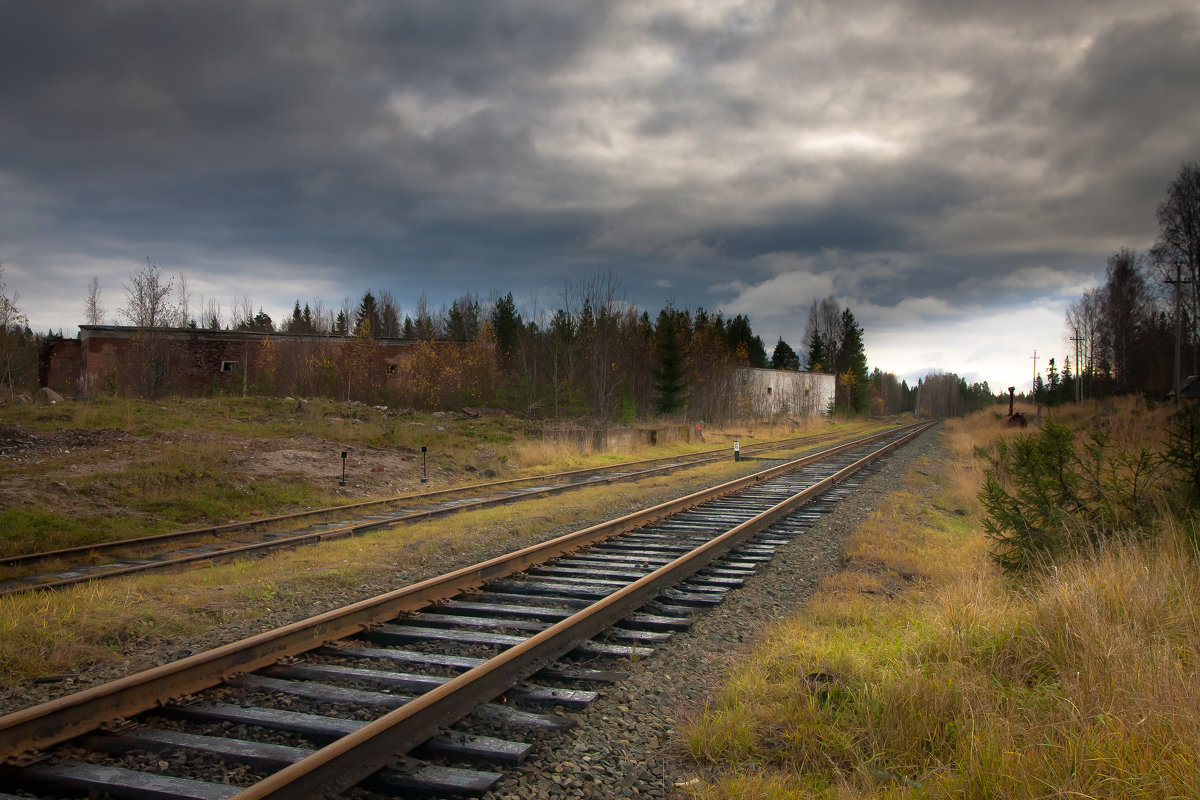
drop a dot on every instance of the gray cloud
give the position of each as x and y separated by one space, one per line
908 156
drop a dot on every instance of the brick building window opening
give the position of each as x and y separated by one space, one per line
391 369
768 390
227 366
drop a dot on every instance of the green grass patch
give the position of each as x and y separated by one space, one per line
958 682
48 633
24 530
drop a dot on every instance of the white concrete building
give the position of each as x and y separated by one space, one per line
774 392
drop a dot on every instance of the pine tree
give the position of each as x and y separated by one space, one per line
853 364
506 324
742 342
368 315
262 322
817 360
784 357
670 374
1066 383
1052 384
462 320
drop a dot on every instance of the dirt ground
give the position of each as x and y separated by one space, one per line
54 470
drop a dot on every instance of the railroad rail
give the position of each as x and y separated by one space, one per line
179 549
496 630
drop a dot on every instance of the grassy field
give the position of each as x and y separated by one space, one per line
88 472
51 633
922 671
144 467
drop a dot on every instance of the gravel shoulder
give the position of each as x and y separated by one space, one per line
627 744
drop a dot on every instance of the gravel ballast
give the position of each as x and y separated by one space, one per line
628 742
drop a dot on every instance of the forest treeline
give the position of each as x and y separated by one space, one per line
1123 334
595 355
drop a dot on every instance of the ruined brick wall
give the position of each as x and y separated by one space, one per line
59 364
197 362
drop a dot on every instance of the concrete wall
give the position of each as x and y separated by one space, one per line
587 439
774 392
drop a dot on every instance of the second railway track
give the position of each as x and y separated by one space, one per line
349 696
181 549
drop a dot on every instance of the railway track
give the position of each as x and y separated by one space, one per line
430 688
180 549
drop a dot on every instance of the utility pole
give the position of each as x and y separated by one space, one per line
1078 384
1033 386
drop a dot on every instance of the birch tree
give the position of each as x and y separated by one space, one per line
93 312
147 294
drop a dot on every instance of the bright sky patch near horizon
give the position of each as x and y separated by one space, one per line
956 174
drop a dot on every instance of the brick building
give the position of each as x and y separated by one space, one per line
199 361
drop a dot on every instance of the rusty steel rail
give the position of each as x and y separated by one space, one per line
359 528
685 459
349 760
58 720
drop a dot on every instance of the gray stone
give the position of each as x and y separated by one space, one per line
48 396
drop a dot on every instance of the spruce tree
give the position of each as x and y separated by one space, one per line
784 357
670 372
817 360
368 314
854 363
506 324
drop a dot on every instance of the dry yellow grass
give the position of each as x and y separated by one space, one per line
44 634
938 677
50 633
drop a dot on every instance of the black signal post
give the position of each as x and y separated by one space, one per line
424 469
344 453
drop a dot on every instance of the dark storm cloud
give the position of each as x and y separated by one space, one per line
913 158
1132 113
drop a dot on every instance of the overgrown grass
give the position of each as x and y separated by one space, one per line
179 487
186 480
265 417
185 473
24 530
923 672
49 633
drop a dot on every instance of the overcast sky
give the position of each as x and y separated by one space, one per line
956 173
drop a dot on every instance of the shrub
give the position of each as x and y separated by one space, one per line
1046 495
1182 453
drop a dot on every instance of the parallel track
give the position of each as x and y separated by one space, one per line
171 550
469 638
